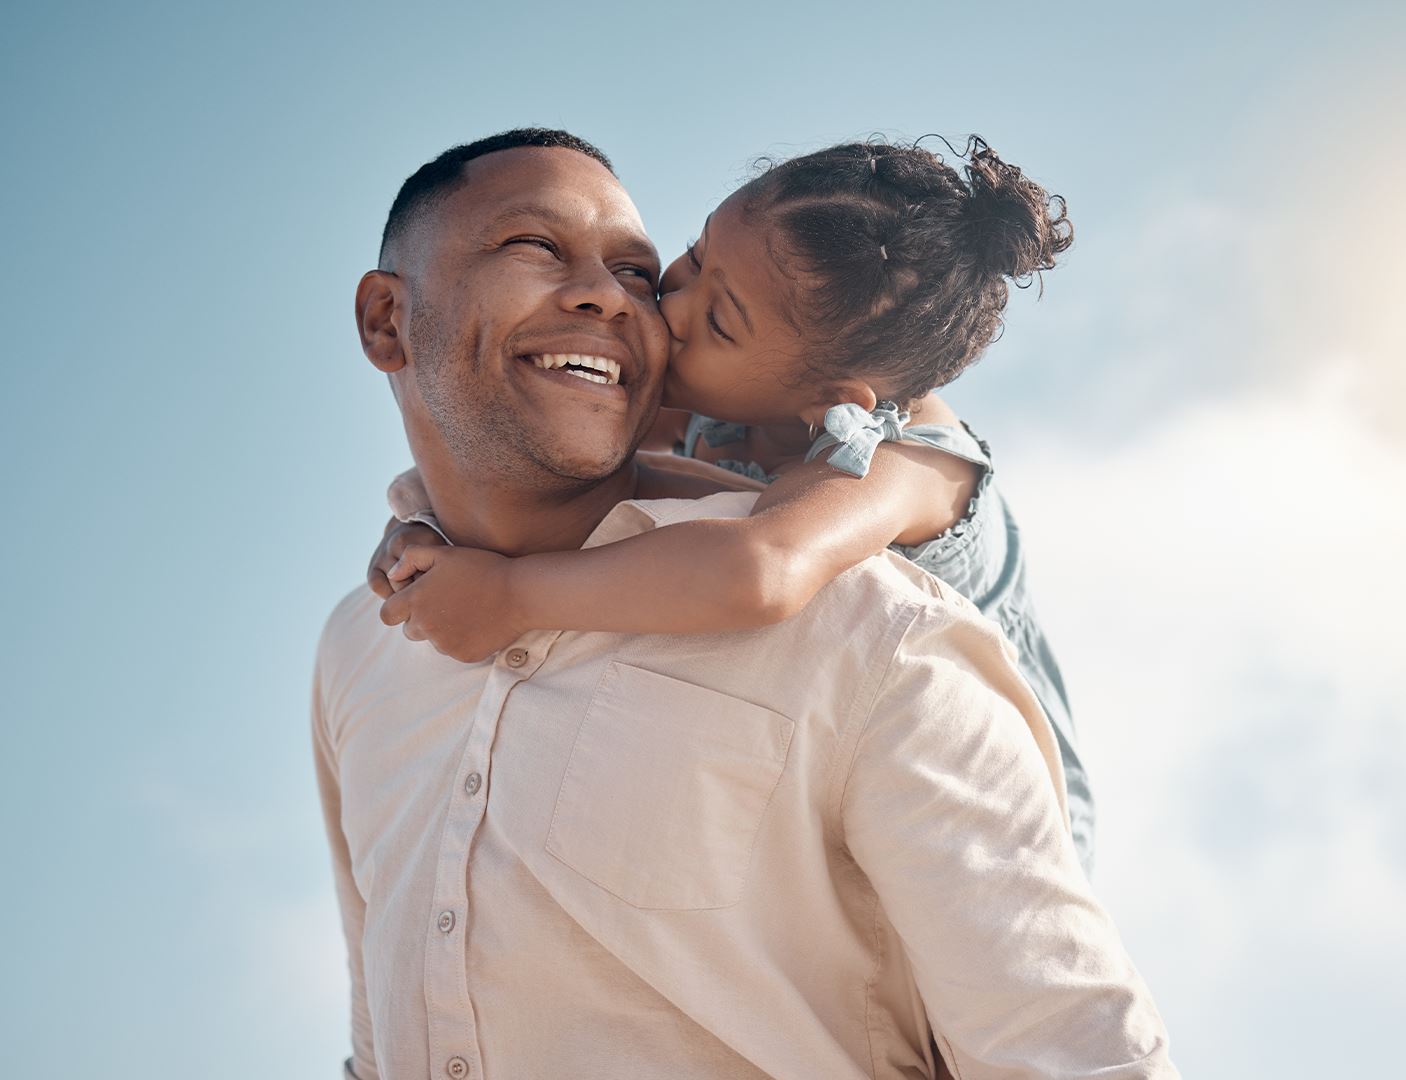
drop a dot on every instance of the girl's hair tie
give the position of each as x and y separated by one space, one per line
883 252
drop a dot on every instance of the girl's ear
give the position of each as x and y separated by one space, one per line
852 391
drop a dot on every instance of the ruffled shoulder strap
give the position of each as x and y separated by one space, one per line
856 434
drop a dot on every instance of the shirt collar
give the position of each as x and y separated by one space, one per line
635 516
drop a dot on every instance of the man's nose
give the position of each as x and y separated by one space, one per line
595 289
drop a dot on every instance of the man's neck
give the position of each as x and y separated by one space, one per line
507 518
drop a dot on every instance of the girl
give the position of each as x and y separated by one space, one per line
819 307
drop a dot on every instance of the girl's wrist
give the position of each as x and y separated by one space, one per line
520 586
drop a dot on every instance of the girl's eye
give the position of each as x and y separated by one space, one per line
713 325
693 255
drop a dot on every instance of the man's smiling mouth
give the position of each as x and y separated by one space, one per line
597 369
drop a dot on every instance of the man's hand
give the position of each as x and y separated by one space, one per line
457 599
399 536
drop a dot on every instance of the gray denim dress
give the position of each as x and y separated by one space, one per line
981 557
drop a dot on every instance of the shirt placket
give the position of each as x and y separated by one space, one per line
453 1030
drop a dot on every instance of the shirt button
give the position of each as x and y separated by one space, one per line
473 783
517 657
446 921
457 1067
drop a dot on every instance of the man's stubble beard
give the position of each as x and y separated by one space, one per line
485 438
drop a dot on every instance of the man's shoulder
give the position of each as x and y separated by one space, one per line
890 572
359 608
352 629
916 613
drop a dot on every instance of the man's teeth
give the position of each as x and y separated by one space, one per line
597 369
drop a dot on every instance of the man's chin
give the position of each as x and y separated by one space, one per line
586 472
577 438
587 460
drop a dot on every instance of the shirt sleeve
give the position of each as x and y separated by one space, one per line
362 1064
407 495
951 810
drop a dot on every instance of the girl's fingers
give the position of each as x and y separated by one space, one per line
396 610
412 561
379 583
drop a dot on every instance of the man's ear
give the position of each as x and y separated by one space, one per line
381 319
854 391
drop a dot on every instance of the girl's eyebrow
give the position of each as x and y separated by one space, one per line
735 303
722 280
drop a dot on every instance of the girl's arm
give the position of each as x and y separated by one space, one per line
660 476
809 527
693 577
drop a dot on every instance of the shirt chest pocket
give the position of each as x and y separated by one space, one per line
665 790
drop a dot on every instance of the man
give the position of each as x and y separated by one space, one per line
806 851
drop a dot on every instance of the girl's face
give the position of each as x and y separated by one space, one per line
733 355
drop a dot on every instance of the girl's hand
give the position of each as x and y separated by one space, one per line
399 536
458 599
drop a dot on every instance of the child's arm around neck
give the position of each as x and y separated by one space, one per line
700 576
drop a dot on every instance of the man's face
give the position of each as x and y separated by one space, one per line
535 341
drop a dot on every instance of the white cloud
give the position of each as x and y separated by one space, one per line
1218 537
1225 591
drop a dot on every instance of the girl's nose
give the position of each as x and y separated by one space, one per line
678 274
672 307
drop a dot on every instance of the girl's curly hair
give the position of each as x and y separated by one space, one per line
900 261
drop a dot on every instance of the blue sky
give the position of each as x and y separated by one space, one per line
1199 423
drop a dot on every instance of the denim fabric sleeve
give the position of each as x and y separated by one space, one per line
852 434
721 433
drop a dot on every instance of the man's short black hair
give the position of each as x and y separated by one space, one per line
438 178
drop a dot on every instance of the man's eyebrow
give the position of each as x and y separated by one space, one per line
722 280
640 247
527 210
632 244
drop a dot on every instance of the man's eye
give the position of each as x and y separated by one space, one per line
638 271
537 241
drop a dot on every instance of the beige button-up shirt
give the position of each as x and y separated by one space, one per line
810 851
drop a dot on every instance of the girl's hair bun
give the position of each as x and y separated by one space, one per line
1013 226
898 264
